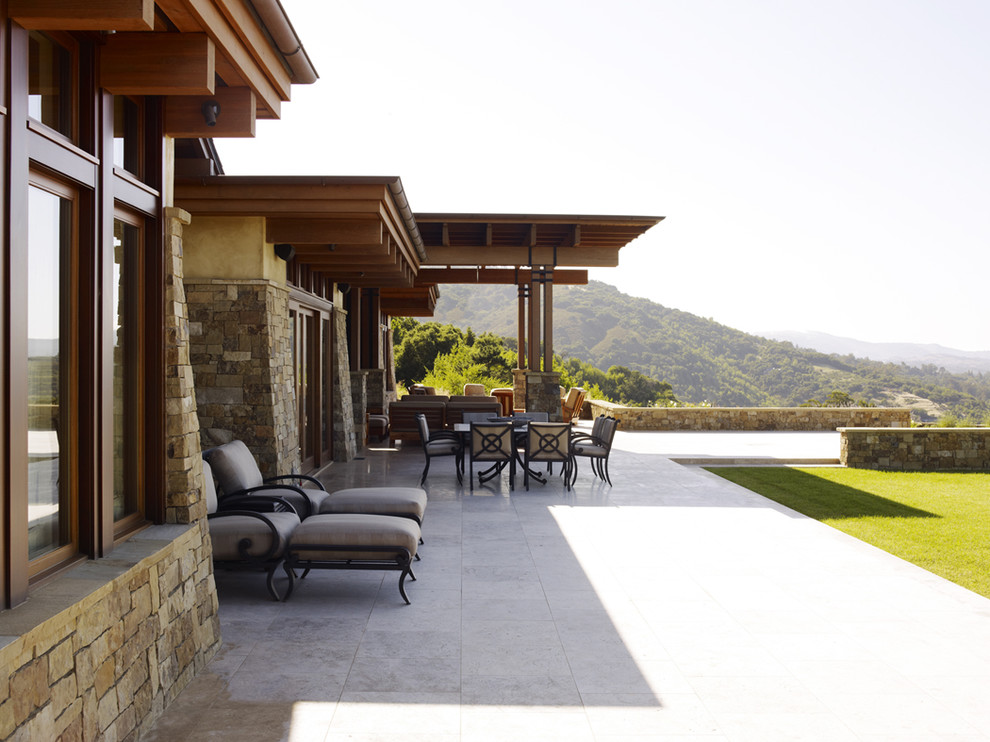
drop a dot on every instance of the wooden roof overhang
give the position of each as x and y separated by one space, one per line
242 54
354 230
504 248
528 239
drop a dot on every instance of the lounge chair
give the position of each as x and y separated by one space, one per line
247 539
238 474
572 403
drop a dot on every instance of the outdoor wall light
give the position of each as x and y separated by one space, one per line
285 251
211 109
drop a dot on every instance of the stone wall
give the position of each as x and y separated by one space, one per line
106 664
344 438
543 393
183 460
359 403
750 418
916 449
241 351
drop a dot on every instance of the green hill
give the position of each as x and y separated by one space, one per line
709 362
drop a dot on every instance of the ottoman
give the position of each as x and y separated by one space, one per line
354 541
404 502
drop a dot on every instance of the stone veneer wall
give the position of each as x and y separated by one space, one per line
241 351
543 393
916 449
344 439
359 403
100 651
375 386
751 418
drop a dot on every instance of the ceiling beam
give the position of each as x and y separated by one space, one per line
432 276
184 116
242 55
586 257
324 231
158 64
88 15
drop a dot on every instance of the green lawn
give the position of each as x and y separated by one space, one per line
939 521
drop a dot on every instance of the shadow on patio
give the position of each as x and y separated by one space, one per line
672 604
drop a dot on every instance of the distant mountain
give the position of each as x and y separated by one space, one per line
706 361
913 354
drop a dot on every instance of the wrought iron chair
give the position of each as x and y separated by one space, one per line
596 446
549 442
246 538
237 473
493 442
440 443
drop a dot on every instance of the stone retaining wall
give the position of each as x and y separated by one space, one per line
106 665
750 418
916 449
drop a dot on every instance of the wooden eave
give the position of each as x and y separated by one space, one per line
245 56
528 239
419 301
350 230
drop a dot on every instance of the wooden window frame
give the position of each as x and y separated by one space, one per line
82 164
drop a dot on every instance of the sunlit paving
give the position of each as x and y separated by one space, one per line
672 605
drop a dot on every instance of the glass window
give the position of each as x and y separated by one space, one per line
127 134
50 240
126 318
50 83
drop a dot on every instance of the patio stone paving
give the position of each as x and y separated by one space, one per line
671 606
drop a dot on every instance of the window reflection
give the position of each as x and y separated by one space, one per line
126 255
49 242
49 83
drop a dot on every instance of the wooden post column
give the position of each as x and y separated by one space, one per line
521 327
547 319
534 322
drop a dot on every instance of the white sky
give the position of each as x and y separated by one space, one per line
822 165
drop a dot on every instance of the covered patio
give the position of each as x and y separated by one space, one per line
674 605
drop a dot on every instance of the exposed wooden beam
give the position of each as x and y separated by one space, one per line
323 231
184 114
158 64
239 58
488 235
83 15
431 276
576 240
445 239
590 257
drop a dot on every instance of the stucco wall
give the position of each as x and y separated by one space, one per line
750 418
916 449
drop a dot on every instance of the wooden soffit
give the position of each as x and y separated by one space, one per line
349 230
88 15
246 55
184 114
420 301
158 64
465 240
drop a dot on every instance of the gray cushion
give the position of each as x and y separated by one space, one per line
442 447
209 488
227 531
589 449
234 467
353 529
407 501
